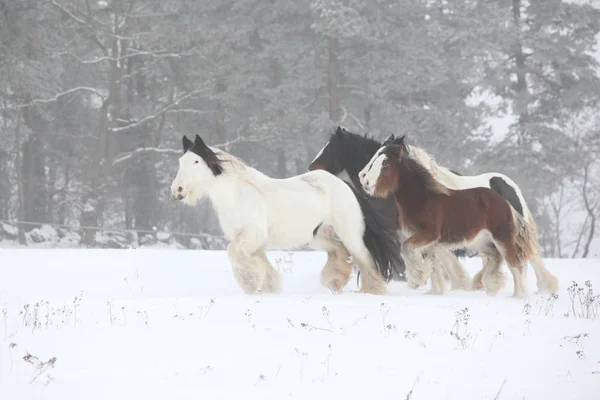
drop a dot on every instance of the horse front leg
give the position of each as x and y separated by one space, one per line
249 270
418 265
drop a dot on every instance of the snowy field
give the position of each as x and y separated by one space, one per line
165 324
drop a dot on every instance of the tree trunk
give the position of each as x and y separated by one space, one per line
591 210
4 185
521 100
332 79
33 174
220 131
21 211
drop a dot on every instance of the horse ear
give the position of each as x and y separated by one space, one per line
339 131
399 140
389 139
187 143
199 142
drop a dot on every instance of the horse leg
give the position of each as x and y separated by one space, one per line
477 283
516 267
445 259
336 273
438 276
418 268
493 279
338 268
546 282
350 228
272 281
248 271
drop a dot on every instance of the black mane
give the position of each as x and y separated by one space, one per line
354 151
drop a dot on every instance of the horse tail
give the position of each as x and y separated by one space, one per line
381 240
545 280
525 240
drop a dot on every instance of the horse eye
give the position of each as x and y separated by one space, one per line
384 163
196 162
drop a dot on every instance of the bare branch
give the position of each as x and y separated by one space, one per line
56 97
590 210
191 111
83 22
581 233
157 114
134 52
147 150
68 12
144 150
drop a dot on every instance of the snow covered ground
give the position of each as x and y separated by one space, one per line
168 324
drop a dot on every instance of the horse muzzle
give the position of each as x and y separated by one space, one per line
178 194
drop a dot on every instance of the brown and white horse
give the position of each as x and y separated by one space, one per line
431 214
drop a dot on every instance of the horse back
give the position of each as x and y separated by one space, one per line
468 211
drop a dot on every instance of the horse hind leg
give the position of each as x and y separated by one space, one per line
546 282
516 267
349 226
370 279
336 273
492 277
338 268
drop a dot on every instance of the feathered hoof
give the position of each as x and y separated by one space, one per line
548 287
372 290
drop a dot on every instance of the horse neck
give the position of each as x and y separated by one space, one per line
225 193
411 192
359 159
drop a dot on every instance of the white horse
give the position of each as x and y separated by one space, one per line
505 187
257 213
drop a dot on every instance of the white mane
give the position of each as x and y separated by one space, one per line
441 174
234 167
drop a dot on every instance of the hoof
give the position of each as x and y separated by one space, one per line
372 291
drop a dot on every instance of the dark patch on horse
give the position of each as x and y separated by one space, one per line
381 239
316 229
199 148
500 186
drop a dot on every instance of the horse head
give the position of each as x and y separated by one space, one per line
378 178
199 166
330 157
